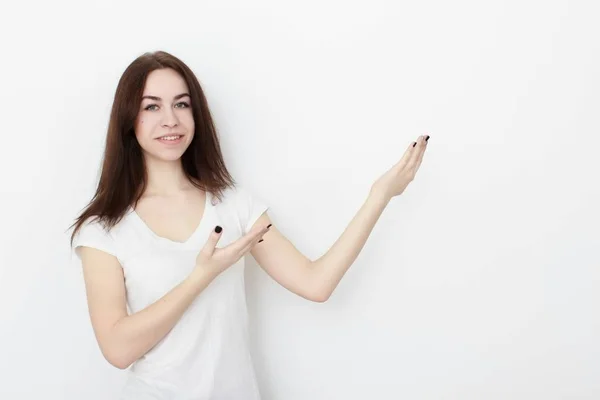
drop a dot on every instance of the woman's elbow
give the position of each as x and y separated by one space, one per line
117 357
119 363
319 296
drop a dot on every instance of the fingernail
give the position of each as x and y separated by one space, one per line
218 229
269 226
261 240
427 138
414 144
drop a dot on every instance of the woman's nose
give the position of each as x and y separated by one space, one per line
169 118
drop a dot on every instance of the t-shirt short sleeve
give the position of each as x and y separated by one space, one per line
250 208
93 234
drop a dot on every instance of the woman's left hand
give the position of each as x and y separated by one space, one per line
395 181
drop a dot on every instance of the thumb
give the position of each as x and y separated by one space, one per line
212 241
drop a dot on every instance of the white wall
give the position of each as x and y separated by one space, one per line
479 282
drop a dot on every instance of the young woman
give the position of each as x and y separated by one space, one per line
163 239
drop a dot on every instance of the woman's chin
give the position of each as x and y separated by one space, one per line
166 156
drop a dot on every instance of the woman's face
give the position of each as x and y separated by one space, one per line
164 126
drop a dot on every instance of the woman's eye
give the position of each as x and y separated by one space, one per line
182 104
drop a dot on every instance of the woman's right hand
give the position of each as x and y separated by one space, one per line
214 260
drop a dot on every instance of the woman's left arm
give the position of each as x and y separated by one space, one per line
316 280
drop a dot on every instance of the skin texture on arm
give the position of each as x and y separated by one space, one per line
316 280
125 338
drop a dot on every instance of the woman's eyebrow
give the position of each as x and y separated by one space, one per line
159 99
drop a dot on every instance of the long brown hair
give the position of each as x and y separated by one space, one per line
123 178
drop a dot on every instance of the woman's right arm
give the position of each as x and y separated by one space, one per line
124 338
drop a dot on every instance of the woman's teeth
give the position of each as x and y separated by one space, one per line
169 138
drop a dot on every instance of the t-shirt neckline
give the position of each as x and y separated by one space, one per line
172 243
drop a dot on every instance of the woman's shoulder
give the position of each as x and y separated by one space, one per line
101 227
244 204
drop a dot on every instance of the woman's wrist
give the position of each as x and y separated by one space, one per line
201 276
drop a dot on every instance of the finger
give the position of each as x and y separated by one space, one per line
422 153
412 161
256 241
248 239
246 249
213 239
405 157
251 245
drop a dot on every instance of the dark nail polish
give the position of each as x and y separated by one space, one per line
427 138
269 225
261 240
218 229
414 144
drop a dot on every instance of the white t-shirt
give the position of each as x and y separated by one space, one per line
206 355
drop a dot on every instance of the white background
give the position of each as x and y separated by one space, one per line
480 282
